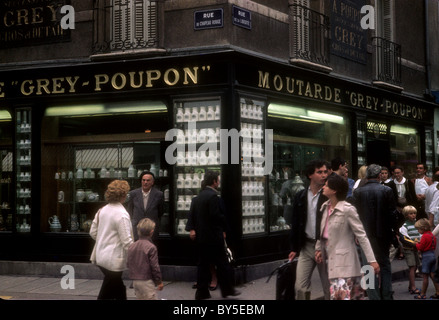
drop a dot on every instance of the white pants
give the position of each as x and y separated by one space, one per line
144 289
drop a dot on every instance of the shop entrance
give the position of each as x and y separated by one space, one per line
378 152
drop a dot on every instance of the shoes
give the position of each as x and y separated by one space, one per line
212 288
435 296
416 291
233 293
194 286
199 295
420 297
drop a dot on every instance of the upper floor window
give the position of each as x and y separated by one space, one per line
387 52
121 25
309 36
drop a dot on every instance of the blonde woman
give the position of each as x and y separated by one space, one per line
112 230
361 178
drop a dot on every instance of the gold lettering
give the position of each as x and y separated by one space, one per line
2 94
8 22
72 83
264 80
337 97
290 85
57 85
278 83
22 15
100 80
193 76
43 84
36 15
150 77
176 77
328 93
123 81
27 90
132 76
308 92
53 10
318 91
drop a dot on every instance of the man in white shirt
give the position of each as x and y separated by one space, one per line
422 182
432 199
306 217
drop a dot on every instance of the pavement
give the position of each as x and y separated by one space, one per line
40 287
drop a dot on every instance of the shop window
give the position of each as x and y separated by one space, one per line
121 25
85 147
405 147
300 135
7 190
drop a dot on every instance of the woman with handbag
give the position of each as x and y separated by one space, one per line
340 228
112 230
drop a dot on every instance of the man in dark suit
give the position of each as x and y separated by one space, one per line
145 202
305 230
376 207
207 225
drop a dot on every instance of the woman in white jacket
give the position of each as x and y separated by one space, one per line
112 230
340 228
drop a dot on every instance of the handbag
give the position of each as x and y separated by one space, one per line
228 253
93 253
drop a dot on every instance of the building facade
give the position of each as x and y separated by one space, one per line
254 89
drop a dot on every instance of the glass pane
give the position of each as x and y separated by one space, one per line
300 135
7 191
85 147
405 144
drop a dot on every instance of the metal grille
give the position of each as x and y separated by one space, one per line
121 25
7 158
387 61
309 35
117 157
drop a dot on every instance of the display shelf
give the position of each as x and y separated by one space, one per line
24 169
253 186
198 141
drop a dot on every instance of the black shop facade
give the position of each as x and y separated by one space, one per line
67 131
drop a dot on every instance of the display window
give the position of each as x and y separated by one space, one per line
85 147
6 179
299 135
405 148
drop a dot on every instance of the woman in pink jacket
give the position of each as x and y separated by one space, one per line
339 230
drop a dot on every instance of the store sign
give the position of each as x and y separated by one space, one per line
241 17
327 92
81 80
208 19
348 38
28 23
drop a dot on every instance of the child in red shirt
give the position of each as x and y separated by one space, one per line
426 246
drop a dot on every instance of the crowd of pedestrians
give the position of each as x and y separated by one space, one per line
385 213
346 229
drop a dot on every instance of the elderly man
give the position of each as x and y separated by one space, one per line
376 207
145 202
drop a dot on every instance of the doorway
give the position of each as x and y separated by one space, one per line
378 152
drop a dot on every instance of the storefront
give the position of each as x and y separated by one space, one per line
68 131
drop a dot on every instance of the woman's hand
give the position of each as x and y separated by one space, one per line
318 256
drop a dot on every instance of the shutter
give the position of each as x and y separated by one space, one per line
387 21
301 26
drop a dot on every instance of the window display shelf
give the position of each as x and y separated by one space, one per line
198 121
24 169
252 173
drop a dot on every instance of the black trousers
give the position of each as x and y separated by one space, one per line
112 287
216 255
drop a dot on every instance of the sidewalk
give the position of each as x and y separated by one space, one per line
23 287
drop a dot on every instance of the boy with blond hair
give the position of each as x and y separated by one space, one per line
408 236
143 263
